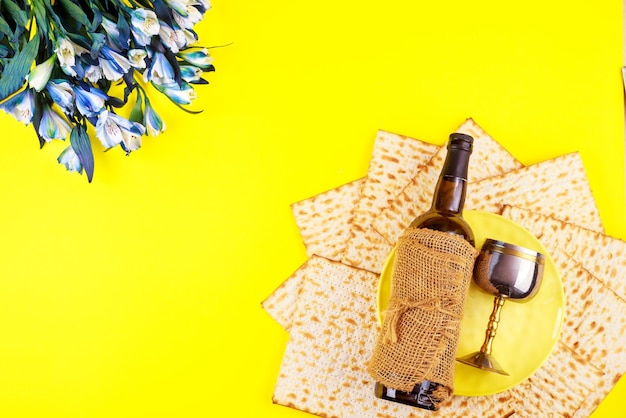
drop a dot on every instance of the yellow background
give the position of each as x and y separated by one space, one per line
139 295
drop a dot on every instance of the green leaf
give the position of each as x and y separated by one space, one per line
97 42
41 17
19 16
82 147
97 17
5 28
136 113
75 12
17 68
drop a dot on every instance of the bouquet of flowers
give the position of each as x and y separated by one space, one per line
69 67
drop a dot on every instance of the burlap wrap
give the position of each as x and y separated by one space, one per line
420 330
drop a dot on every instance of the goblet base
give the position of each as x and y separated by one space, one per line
483 361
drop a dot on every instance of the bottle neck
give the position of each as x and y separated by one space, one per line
449 196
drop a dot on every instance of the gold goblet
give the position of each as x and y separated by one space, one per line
506 271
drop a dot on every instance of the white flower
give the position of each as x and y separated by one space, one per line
89 102
110 27
182 95
198 56
172 39
137 58
113 64
152 121
65 52
190 73
112 129
190 36
70 160
53 125
93 73
188 20
39 76
21 106
206 4
109 70
160 70
130 141
114 35
62 94
145 24
179 6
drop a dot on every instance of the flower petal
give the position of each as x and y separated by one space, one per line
40 75
52 125
21 106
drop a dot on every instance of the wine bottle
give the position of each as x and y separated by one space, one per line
446 215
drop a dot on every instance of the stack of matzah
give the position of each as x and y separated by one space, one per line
329 304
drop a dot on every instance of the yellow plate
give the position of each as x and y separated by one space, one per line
527 331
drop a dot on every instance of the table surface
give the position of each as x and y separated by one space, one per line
138 295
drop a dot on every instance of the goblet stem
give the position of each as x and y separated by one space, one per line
483 358
492 326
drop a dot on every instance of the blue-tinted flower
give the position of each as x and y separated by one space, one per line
93 73
188 20
113 64
89 102
113 129
204 4
182 95
62 94
52 125
145 24
113 32
81 64
190 73
174 40
70 160
21 106
180 6
40 75
110 27
152 121
198 56
160 70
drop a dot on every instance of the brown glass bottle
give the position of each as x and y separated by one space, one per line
445 214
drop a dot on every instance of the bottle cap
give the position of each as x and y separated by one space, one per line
460 141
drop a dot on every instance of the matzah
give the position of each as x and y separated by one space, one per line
324 222
595 324
557 187
332 336
329 307
328 223
593 267
601 255
488 159
395 160
324 219
559 388
280 304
